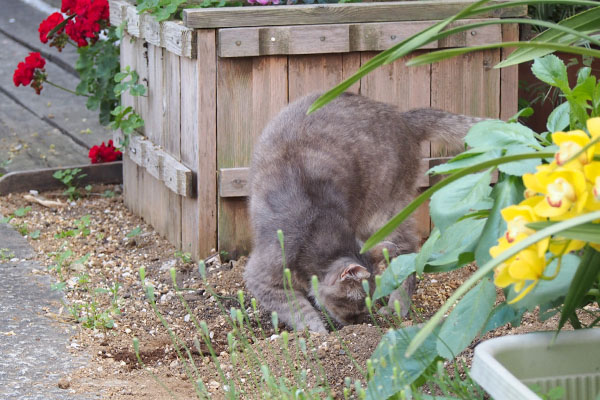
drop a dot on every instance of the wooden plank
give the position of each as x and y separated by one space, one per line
130 184
395 83
310 73
42 180
233 182
115 9
172 144
306 14
198 146
133 19
467 84
178 39
341 38
351 64
250 92
150 29
509 76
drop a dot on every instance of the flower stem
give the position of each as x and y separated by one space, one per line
65 89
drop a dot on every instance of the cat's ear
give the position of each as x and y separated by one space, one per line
354 272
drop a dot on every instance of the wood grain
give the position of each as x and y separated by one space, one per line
199 146
341 38
250 92
306 14
42 180
509 76
310 73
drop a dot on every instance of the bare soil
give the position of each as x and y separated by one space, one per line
115 258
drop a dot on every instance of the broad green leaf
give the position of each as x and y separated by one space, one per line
466 320
587 232
585 276
547 291
505 193
393 370
452 202
500 316
393 223
426 251
524 112
393 276
459 238
558 119
552 70
519 168
584 91
499 134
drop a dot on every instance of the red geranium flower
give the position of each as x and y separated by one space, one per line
31 72
90 16
104 153
48 24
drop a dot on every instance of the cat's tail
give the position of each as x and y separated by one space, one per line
441 127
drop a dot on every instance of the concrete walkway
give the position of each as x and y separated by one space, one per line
51 130
34 348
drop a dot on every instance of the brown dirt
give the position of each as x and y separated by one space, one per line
114 258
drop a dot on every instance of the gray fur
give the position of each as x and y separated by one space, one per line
329 180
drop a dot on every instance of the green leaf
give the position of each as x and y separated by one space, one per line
463 162
584 23
587 273
466 320
459 238
558 119
589 232
547 291
134 232
426 250
389 357
500 135
552 70
500 316
393 276
452 202
524 112
392 224
519 168
505 193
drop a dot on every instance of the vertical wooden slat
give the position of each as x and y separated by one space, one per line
130 186
199 145
172 141
142 207
312 73
407 88
157 195
509 77
250 91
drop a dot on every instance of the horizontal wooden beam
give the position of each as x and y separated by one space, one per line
233 182
171 35
158 163
311 14
341 38
42 180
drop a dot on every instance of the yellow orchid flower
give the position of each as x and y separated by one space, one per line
559 246
527 265
592 174
564 189
570 143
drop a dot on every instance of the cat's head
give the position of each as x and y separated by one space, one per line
342 294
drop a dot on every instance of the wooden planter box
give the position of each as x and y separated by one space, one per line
215 80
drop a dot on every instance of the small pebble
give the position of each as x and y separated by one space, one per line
64 383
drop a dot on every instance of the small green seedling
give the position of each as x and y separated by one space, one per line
71 177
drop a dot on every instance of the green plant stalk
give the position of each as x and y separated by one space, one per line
488 267
65 89
443 54
402 215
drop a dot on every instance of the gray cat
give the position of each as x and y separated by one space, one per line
329 180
